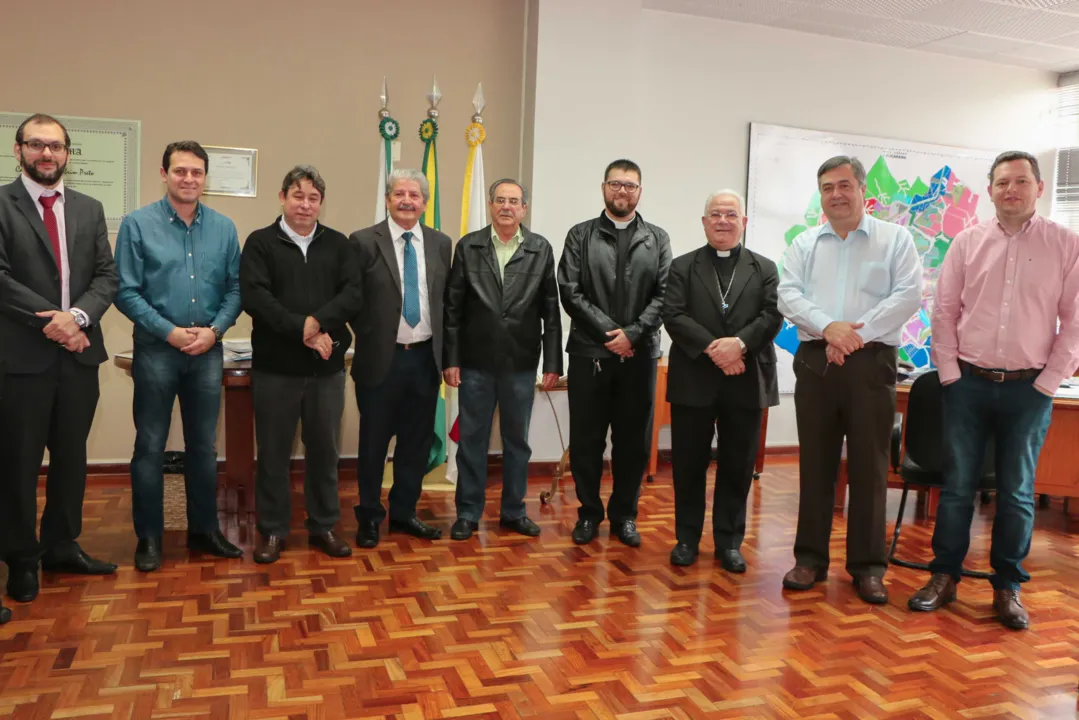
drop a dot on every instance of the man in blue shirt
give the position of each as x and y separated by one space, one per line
179 266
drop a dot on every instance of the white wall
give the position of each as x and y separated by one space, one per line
676 93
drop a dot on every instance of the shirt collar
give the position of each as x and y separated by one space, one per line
863 227
171 214
396 231
517 238
293 235
36 189
1026 226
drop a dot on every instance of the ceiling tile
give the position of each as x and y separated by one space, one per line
1037 26
974 42
909 34
1035 4
839 18
969 15
880 8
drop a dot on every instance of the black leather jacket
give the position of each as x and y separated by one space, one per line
497 324
586 282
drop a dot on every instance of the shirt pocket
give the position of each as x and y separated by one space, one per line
213 267
875 279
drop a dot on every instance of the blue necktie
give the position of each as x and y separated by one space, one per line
410 308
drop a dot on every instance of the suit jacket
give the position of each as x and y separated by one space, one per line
501 325
693 317
376 326
30 281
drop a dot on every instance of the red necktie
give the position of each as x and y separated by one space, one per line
53 229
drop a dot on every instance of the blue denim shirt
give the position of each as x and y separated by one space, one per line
172 275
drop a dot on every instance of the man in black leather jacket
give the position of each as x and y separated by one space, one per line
612 278
501 309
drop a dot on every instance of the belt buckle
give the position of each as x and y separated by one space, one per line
996 376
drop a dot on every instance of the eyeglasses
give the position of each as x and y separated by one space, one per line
730 215
39 146
513 202
616 186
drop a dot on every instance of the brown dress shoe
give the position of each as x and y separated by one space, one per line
329 543
871 589
940 590
802 577
269 548
1010 610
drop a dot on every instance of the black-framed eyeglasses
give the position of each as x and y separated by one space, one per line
39 146
617 185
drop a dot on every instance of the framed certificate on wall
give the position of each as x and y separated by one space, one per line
232 171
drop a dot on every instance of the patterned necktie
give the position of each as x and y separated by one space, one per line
410 308
51 227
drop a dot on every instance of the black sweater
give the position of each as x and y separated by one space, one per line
280 288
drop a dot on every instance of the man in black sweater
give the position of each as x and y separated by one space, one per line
300 284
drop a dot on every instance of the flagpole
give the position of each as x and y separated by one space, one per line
388 130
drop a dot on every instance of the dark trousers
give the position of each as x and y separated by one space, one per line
53 409
402 405
316 403
480 391
692 430
1017 417
856 401
617 394
161 374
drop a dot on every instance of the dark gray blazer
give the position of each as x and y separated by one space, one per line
376 326
30 282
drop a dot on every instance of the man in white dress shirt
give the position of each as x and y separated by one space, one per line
397 365
850 285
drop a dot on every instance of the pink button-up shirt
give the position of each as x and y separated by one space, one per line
998 299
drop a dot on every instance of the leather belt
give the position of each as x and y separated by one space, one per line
413 346
1000 376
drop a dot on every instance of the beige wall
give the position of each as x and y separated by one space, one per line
298 81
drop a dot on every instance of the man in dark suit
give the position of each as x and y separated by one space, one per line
397 366
721 312
57 279
501 311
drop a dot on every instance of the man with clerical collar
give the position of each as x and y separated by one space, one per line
850 285
611 279
398 362
1005 335
300 284
720 311
501 314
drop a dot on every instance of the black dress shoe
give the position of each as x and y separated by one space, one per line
329 543
522 526
416 528
626 531
76 562
367 534
585 531
463 528
213 543
22 582
268 549
148 554
5 614
683 555
731 560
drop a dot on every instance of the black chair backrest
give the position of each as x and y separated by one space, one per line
924 430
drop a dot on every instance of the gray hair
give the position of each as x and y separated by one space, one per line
839 161
1011 155
724 193
508 181
408 175
300 173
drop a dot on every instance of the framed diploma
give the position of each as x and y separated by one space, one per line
232 171
103 161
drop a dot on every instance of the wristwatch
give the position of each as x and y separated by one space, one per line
81 318
217 333
742 345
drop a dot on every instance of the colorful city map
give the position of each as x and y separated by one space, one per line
934 214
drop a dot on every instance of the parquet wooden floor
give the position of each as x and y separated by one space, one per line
505 627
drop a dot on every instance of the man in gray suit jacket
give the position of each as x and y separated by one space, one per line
397 366
57 279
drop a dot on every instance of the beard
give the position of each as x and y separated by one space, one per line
620 212
42 177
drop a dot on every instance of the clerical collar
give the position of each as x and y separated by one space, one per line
733 252
620 224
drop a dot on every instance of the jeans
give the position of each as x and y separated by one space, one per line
480 391
1017 416
161 374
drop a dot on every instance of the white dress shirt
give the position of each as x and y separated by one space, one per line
422 331
872 277
36 190
302 241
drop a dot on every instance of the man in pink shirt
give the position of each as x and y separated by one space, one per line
1003 285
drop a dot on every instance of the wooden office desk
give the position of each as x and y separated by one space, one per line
1057 473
